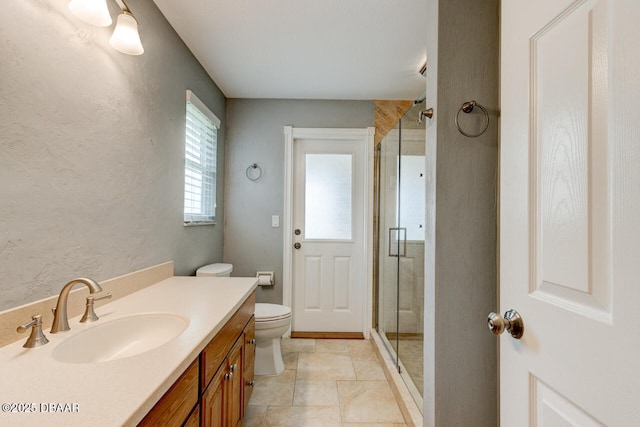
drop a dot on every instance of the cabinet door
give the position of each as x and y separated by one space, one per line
249 359
213 400
234 387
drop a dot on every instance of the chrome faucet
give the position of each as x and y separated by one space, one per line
60 318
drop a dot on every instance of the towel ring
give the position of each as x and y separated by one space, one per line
468 107
252 168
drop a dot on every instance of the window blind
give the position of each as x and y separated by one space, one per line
200 163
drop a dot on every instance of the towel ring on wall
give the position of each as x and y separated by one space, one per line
468 107
254 172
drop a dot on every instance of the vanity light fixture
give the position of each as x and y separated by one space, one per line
125 37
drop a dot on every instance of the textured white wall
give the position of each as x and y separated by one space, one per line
91 150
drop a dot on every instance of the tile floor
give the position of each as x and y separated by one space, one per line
325 383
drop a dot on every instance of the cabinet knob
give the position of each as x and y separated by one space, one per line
233 367
251 383
252 341
228 376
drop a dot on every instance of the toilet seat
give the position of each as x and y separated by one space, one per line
265 312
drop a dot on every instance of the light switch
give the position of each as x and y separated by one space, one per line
275 221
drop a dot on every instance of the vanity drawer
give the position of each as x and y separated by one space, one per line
216 351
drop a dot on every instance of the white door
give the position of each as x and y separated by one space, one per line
570 212
329 265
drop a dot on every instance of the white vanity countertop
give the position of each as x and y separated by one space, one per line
118 392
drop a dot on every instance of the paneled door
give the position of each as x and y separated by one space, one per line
570 212
329 269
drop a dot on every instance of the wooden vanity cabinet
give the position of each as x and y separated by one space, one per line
213 413
194 418
178 402
215 389
222 401
249 359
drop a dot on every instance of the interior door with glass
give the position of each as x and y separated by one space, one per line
328 289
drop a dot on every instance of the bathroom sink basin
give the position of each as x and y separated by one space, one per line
120 338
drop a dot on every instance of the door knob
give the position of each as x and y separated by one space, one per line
297 231
297 245
511 321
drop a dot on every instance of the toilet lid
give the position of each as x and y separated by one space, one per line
266 312
214 269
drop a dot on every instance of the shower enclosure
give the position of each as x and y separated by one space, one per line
399 262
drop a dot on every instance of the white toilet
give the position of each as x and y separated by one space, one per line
272 321
217 269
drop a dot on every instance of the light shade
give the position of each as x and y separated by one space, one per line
94 12
125 37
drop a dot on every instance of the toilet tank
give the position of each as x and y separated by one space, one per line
217 269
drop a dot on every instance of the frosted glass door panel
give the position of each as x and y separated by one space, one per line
328 195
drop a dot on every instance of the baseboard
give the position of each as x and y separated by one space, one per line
329 335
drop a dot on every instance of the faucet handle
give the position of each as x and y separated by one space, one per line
89 313
37 338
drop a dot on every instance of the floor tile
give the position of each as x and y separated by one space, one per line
300 345
254 416
368 370
316 393
307 416
374 425
325 366
362 350
332 346
290 360
273 389
368 402
326 383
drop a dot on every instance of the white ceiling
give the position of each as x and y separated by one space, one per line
306 49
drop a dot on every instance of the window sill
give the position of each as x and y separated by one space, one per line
198 223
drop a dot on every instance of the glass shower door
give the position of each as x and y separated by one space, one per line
411 216
400 263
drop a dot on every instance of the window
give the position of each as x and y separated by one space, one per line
410 202
328 194
201 143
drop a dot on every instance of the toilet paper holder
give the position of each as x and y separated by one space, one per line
266 278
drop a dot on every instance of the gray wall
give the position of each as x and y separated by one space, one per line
460 264
255 134
92 150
